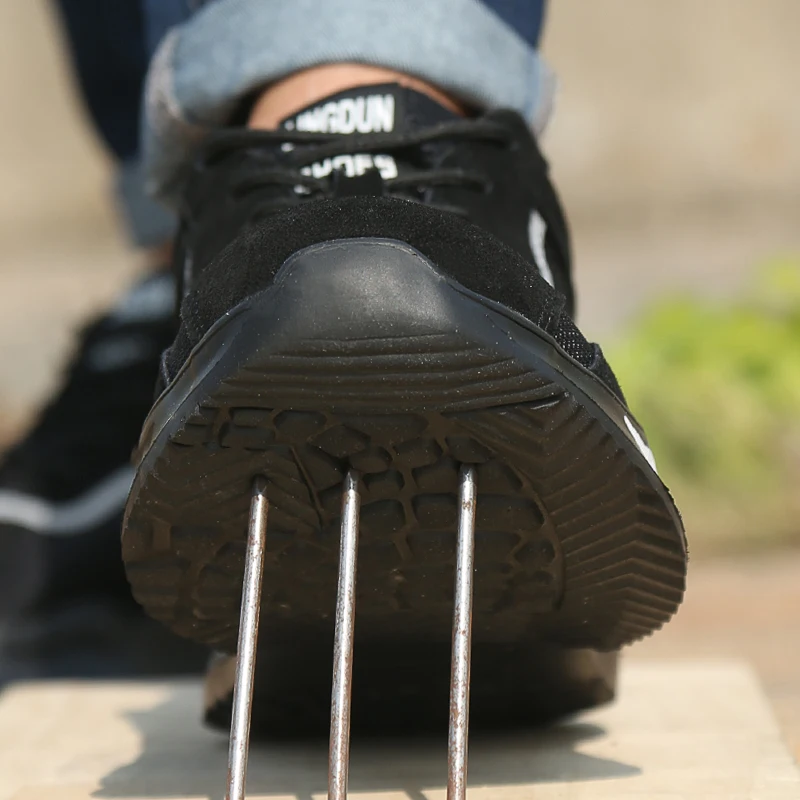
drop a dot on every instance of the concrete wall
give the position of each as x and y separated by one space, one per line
679 102
53 175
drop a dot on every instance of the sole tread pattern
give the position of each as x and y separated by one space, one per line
573 544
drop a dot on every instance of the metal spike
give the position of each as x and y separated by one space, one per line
462 639
248 638
339 754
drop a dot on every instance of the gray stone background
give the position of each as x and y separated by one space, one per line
674 143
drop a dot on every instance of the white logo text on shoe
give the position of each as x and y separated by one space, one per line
371 114
353 165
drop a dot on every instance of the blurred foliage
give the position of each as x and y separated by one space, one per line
717 388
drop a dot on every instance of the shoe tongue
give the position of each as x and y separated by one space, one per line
377 108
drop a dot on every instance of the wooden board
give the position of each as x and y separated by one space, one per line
680 731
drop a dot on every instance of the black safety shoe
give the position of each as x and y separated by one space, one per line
63 486
383 287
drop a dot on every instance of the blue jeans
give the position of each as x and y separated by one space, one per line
481 51
110 52
209 54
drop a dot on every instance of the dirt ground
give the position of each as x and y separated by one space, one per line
746 608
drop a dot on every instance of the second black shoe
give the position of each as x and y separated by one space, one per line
63 485
383 287
65 606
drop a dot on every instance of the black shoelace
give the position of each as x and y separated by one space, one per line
293 150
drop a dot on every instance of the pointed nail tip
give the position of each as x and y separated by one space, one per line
259 485
351 481
467 472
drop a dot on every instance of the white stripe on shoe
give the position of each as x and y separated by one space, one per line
72 516
537 231
641 444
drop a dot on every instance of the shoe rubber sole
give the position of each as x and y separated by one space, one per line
363 356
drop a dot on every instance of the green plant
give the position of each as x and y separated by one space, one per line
717 388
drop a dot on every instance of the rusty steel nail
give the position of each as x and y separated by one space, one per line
462 639
339 754
248 637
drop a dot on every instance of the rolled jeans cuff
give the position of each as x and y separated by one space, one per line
205 67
